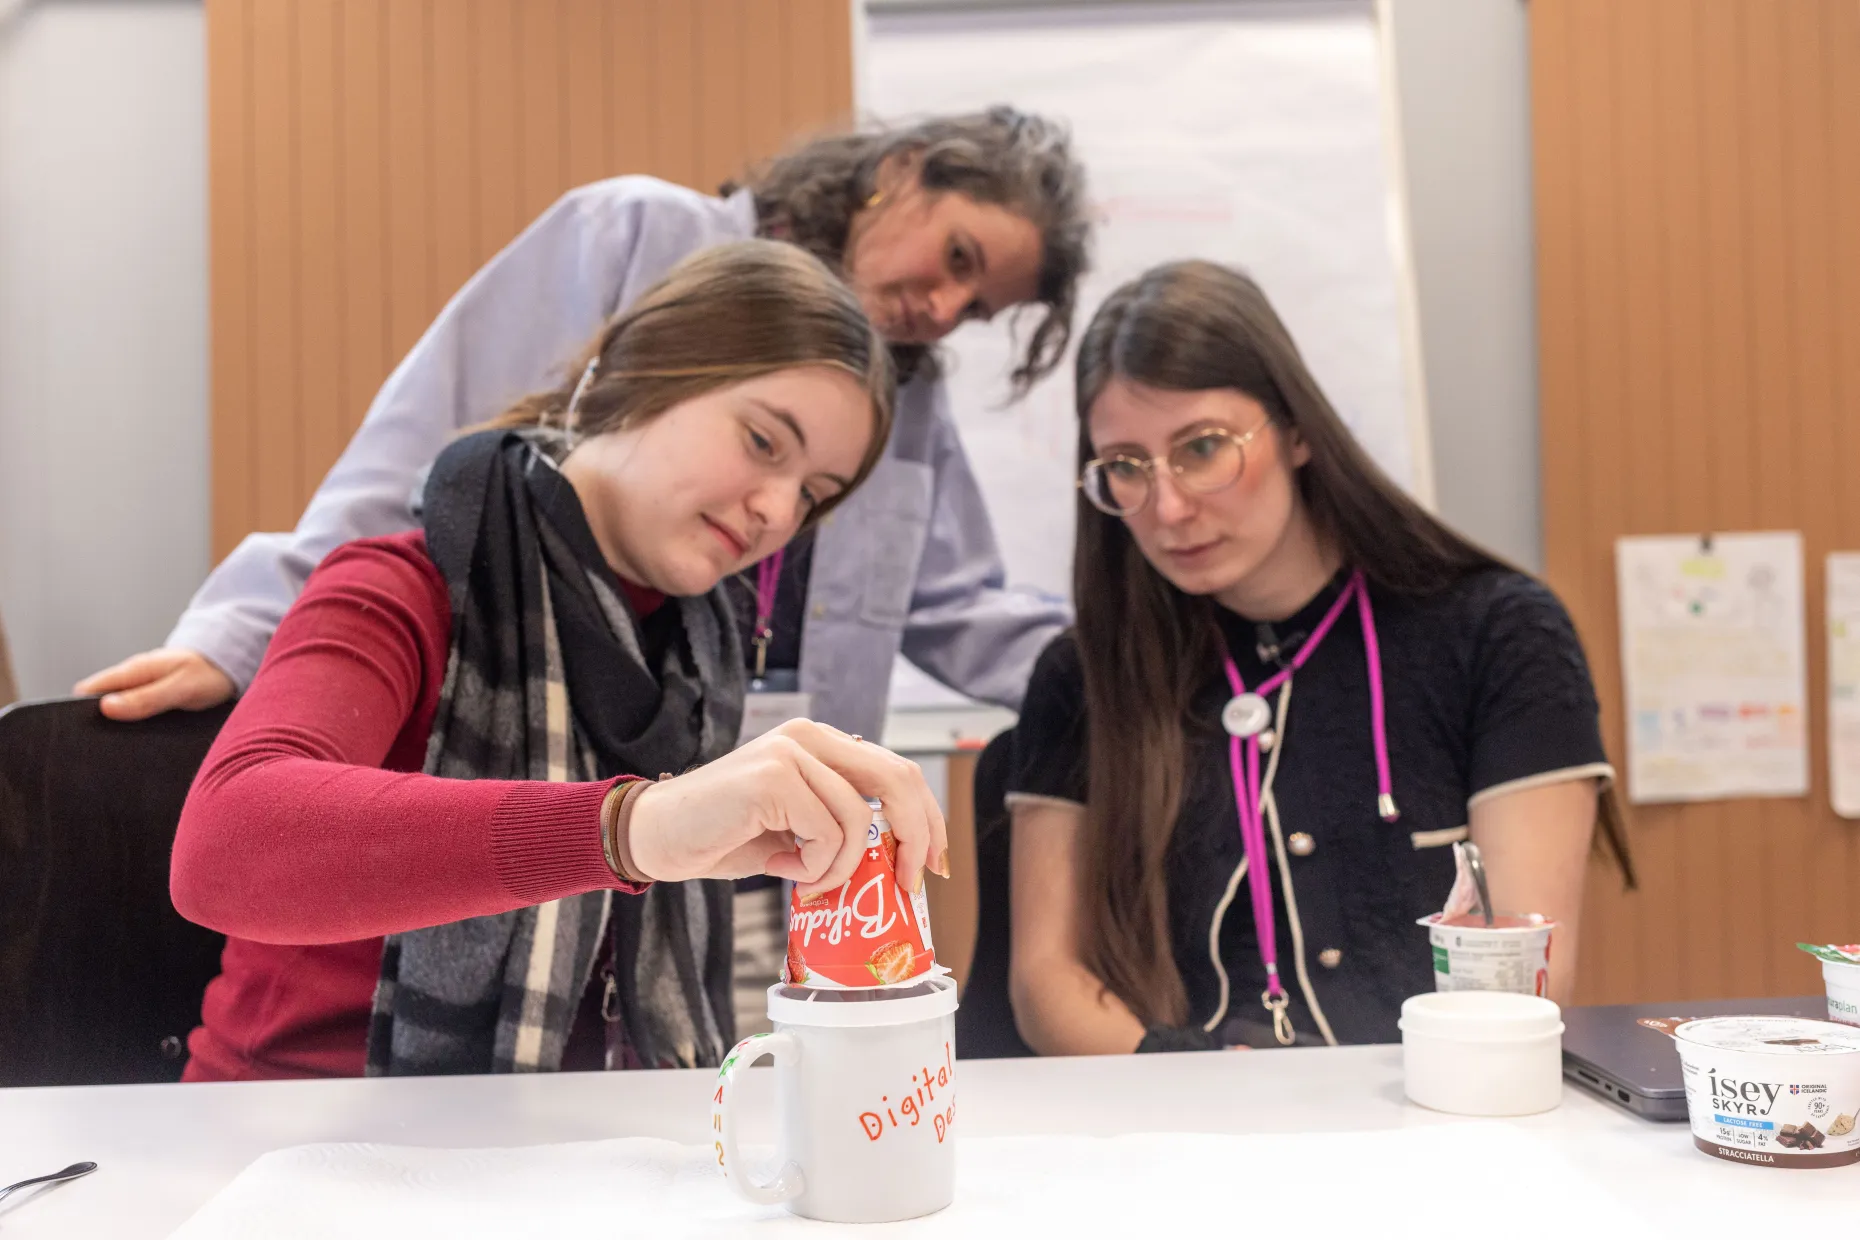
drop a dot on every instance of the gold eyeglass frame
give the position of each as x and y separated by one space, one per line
1149 464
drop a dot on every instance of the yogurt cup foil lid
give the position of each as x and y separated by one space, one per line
1839 953
1771 1035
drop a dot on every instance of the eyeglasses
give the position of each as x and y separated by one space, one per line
1211 460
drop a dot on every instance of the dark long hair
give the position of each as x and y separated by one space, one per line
1001 156
1146 646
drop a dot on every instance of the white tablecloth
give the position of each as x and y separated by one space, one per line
165 1151
1423 1182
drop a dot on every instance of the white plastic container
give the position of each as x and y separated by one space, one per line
1482 1052
1772 1091
1843 983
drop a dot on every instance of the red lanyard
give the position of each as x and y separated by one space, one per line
1245 716
768 581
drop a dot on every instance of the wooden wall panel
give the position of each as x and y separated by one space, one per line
587 124
361 259
366 156
274 406
229 271
320 432
1698 223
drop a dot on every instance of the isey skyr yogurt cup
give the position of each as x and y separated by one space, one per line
1772 1091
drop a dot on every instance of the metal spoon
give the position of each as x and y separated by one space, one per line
69 1173
1477 866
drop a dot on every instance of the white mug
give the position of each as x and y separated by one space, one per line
865 1093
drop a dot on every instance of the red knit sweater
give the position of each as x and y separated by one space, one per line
309 833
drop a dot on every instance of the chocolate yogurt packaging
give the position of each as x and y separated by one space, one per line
867 935
1772 1091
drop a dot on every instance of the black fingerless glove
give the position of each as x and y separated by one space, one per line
1160 1038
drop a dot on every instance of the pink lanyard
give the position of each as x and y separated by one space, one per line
1245 717
768 580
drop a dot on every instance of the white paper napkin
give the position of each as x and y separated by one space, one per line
1422 1182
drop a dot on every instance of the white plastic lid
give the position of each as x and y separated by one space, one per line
928 999
1480 1016
1771 1035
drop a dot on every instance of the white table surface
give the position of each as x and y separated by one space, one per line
165 1149
942 730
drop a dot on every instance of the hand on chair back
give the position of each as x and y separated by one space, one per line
157 681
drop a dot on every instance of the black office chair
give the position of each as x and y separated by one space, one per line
100 979
985 1021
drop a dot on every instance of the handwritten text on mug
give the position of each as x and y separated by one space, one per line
920 1103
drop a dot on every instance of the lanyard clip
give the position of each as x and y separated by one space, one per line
610 996
1274 1001
763 636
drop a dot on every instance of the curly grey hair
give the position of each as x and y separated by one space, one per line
1001 156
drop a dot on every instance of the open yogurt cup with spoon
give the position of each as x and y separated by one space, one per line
1477 948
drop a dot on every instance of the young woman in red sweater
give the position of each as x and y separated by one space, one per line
430 827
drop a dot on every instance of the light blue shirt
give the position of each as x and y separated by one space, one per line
908 563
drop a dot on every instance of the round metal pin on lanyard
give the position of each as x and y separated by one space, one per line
1245 715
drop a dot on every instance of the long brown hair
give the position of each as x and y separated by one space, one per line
722 316
1002 156
1146 646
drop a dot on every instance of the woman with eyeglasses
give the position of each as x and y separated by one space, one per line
1236 782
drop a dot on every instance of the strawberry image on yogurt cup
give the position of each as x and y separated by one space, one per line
870 933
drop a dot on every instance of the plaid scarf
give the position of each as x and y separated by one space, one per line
547 679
